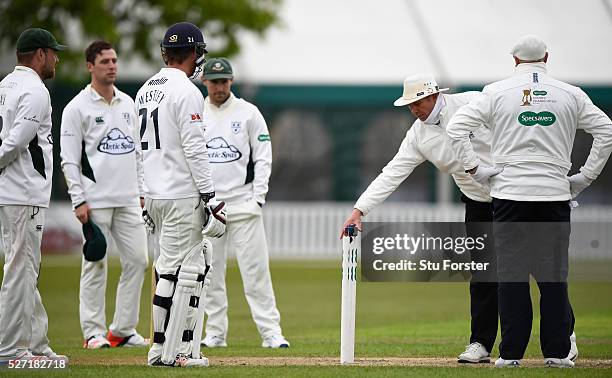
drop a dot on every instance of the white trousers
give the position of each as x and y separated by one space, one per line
178 227
23 319
125 227
246 238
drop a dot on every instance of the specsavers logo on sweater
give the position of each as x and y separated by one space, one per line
219 151
116 143
532 118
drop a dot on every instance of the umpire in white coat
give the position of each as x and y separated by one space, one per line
533 119
426 140
240 155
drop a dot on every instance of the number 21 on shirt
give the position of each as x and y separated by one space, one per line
145 121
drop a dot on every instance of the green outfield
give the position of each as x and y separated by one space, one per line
397 324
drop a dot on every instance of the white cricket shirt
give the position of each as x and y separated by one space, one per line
99 149
169 107
239 150
26 150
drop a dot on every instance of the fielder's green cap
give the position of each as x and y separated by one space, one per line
218 68
36 38
95 243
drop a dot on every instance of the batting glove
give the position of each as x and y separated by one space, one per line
578 183
483 174
215 220
148 222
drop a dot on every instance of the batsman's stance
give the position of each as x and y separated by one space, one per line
179 197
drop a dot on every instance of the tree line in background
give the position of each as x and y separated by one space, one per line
135 27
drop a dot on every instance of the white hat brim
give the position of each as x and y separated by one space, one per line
402 101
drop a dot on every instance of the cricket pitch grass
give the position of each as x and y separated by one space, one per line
402 329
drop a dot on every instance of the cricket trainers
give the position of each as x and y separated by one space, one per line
50 354
475 353
573 353
96 342
500 362
558 362
181 360
211 341
131 341
275 341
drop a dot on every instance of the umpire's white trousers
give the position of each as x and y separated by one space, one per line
23 319
125 227
245 236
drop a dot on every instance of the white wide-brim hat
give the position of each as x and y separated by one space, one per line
416 87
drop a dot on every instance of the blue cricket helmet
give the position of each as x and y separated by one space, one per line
183 34
186 34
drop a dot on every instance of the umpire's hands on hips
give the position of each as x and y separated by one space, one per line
483 173
578 183
354 218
